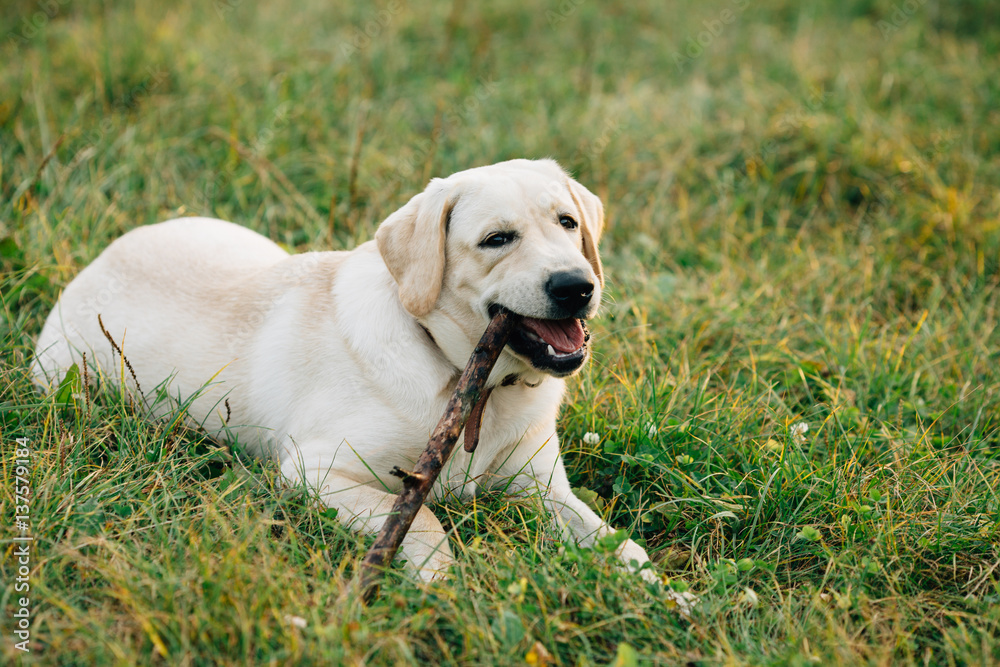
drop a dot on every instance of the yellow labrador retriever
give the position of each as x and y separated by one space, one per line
340 364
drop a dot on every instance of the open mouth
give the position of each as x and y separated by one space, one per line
559 347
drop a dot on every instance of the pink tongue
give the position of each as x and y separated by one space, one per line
563 335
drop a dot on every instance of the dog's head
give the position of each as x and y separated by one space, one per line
520 235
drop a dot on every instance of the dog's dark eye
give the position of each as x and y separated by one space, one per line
497 239
568 222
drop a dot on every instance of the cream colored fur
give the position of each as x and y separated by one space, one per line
324 357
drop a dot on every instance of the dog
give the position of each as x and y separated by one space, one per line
339 364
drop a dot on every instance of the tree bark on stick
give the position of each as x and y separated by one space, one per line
418 482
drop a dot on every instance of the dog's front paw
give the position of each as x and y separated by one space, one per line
683 602
432 567
633 556
428 575
650 576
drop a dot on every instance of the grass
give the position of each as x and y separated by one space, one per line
804 226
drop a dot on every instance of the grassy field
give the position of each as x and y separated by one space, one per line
804 227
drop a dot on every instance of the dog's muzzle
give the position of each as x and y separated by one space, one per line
556 346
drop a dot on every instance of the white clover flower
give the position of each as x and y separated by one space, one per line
297 621
798 431
749 597
591 438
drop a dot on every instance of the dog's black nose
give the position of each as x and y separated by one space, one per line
570 290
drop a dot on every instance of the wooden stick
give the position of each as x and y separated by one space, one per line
417 484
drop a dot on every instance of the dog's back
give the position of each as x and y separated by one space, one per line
166 294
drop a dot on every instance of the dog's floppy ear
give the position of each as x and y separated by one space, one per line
592 211
411 242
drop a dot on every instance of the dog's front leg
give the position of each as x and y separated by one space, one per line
365 509
539 470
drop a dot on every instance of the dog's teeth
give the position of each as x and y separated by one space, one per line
552 351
